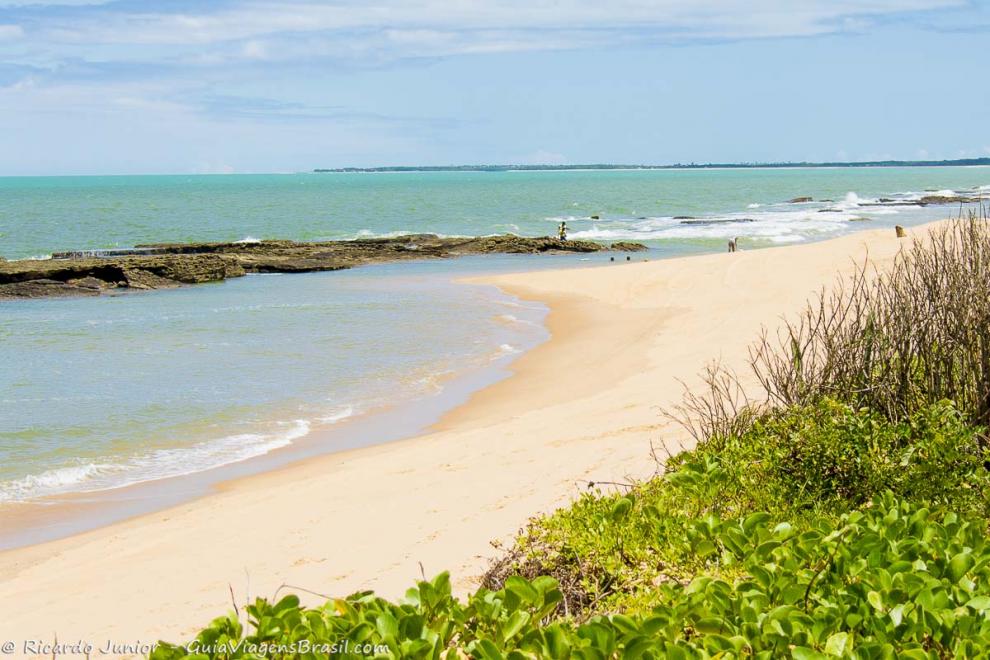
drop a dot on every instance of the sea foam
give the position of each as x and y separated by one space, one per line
153 465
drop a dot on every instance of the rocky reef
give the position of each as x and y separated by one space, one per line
927 200
90 273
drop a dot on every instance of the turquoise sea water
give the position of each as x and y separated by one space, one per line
40 215
100 393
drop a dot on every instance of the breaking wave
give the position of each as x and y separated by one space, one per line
150 466
767 222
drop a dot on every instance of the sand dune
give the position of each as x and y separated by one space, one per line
584 406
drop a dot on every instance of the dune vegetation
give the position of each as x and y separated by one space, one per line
835 504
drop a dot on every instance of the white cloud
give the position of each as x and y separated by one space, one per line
11 32
50 3
504 25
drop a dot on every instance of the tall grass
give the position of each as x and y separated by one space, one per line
893 342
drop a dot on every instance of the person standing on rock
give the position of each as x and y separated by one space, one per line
562 231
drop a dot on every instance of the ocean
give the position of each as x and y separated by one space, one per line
98 394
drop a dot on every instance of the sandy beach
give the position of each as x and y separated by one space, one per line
584 406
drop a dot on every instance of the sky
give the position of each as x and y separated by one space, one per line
91 87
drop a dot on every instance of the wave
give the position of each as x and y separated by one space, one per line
104 475
508 302
512 320
337 416
35 257
504 350
776 226
768 223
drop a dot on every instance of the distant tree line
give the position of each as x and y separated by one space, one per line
678 166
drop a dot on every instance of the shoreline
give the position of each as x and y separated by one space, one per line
57 516
583 406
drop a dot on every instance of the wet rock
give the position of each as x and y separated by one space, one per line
172 264
43 288
946 199
800 200
683 217
892 202
91 283
626 246
135 278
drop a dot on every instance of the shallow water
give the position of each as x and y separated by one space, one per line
98 394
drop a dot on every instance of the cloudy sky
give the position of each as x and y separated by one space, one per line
182 86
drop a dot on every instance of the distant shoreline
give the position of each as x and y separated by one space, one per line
960 162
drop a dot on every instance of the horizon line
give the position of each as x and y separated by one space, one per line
980 161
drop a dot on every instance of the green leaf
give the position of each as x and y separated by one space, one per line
515 623
710 625
754 520
959 564
874 599
522 588
897 614
838 643
621 508
705 548
486 650
979 603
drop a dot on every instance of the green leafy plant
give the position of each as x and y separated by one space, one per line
892 580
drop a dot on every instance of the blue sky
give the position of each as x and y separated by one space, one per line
89 87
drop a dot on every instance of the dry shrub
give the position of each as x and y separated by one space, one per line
893 342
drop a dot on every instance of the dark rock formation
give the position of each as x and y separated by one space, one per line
173 264
946 199
90 275
43 288
924 201
626 246
800 200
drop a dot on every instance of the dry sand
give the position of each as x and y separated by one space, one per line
584 406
